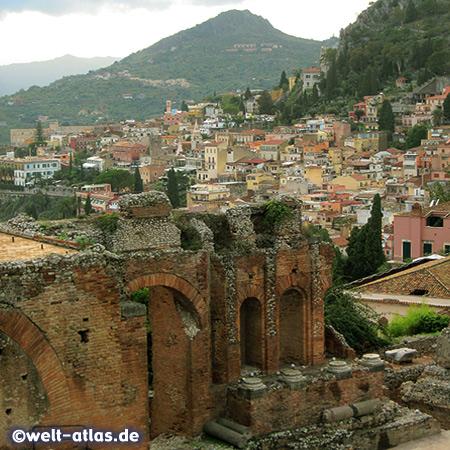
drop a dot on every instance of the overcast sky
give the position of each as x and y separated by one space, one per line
38 30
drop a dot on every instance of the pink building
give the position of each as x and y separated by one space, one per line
422 231
128 151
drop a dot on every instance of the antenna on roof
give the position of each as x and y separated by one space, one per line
432 203
437 201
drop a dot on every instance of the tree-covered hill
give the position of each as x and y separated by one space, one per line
231 51
390 39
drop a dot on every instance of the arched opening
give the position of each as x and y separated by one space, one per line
172 325
250 334
292 332
23 397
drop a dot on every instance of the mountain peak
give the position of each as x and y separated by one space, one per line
236 20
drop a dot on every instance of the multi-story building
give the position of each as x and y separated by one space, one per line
215 159
311 77
422 231
410 164
35 168
207 196
128 152
271 149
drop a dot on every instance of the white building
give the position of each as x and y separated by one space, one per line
35 168
94 162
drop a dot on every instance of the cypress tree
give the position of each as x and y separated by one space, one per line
365 247
88 206
411 12
374 255
172 189
39 136
138 183
446 108
315 94
265 103
387 119
332 82
284 83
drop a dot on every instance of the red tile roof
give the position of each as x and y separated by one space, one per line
255 131
433 277
340 241
359 177
439 208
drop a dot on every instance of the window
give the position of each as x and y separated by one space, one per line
406 250
446 249
435 221
427 248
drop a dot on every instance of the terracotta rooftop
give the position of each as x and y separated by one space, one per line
432 277
439 208
340 241
14 248
359 177
255 131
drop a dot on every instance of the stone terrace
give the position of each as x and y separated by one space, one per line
14 248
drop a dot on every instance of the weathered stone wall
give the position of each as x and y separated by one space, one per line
22 394
71 316
425 345
430 392
146 224
68 231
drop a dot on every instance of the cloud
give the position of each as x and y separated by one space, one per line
61 7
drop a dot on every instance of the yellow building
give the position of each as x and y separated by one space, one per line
363 141
255 181
314 175
271 149
207 196
215 159
335 158
351 182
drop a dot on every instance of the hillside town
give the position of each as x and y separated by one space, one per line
334 166
195 255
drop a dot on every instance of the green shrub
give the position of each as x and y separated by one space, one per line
356 321
190 238
431 322
108 222
418 319
276 213
83 241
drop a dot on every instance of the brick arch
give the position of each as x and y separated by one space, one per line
250 291
294 326
251 332
31 340
176 283
292 281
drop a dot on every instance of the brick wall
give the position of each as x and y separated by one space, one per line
209 312
282 408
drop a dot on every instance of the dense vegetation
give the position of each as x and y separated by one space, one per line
418 319
353 319
39 206
391 39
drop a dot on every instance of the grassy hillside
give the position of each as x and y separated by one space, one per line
188 65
